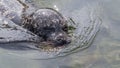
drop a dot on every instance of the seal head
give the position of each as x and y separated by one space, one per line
50 25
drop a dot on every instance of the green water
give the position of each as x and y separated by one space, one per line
104 50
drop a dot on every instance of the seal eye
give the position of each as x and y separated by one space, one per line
65 28
49 29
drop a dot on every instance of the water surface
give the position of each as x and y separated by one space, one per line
104 50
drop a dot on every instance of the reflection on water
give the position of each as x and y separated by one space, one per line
104 51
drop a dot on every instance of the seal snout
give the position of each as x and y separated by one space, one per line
62 39
59 38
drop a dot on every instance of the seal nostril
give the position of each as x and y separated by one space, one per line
68 41
60 40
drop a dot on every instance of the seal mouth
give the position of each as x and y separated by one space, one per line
48 45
